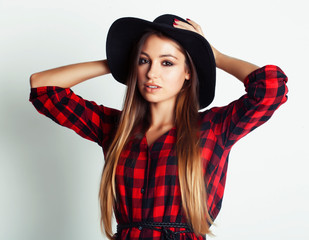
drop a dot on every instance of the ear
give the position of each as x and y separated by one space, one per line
187 75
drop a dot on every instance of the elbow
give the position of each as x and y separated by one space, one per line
34 78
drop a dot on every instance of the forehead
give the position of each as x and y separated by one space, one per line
161 45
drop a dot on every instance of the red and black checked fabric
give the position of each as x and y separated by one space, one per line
146 176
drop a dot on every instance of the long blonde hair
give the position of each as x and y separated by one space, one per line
191 178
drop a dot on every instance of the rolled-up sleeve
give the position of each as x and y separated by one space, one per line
266 90
88 119
222 127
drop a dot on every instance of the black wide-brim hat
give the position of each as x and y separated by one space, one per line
124 33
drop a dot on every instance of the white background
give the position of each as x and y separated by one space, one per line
49 176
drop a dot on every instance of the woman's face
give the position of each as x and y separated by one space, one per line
161 70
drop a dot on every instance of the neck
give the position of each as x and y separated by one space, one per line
162 115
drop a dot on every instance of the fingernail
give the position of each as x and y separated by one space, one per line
176 20
188 19
175 24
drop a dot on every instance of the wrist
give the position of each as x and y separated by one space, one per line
218 57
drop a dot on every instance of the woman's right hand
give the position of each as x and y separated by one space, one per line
70 75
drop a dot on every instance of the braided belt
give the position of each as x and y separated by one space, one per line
157 226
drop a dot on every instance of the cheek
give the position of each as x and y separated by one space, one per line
177 77
141 71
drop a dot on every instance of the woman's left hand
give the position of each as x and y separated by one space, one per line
236 67
194 27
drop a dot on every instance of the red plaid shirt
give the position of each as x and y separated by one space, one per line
146 177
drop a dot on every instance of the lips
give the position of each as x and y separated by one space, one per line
152 88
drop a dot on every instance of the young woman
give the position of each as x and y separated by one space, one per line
165 162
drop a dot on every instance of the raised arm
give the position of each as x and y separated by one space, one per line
70 75
265 91
236 67
52 96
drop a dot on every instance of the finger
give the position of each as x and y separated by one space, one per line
183 25
192 22
184 28
196 26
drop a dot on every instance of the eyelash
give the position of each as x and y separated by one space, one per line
165 63
142 61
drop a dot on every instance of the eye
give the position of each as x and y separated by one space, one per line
143 61
167 63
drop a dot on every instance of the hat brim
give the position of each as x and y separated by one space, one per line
126 32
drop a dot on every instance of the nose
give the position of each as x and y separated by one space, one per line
153 71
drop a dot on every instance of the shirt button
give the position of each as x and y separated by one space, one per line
140 228
142 190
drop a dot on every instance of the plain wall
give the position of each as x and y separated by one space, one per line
49 176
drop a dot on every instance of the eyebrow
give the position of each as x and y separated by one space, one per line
161 56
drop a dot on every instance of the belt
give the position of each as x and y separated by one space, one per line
157 226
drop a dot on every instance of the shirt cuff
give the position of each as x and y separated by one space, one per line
260 73
39 91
